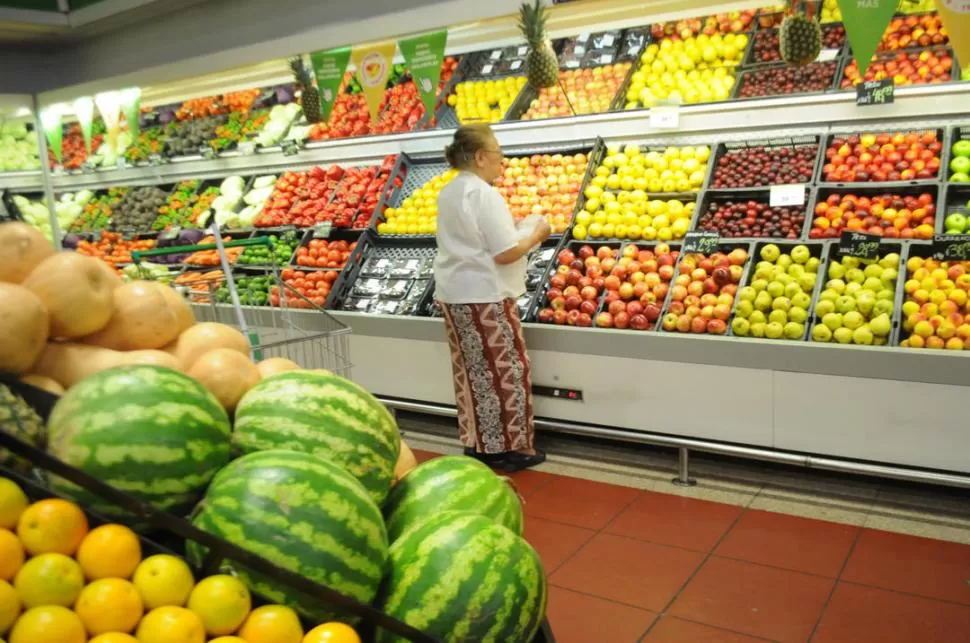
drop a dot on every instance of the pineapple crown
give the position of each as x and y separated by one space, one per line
300 71
532 23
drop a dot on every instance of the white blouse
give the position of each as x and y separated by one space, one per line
474 226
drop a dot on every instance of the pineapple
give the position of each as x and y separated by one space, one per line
20 421
310 95
800 39
542 65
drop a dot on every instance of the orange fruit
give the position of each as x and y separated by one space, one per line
171 625
52 526
332 633
11 555
224 639
163 580
114 637
109 605
9 606
222 602
13 501
49 579
109 551
272 624
48 624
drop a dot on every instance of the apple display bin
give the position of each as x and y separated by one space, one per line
791 142
942 135
880 189
956 198
761 195
169 533
744 73
955 134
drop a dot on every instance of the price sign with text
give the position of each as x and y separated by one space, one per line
952 247
875 92
665 117
154 160
786 196
859 244
290 147
207 152
702 242
322 230
171 234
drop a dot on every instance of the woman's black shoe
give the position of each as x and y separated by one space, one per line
515 461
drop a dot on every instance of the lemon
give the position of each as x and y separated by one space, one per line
163 580
13 502
49 579
11 555
109 605
9 606
48 624
171 625
114 637
272 624
222 602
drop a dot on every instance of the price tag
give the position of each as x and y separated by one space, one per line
122 164
496 55
516 64
950 247
583 37
57 170
207 152
87 167
171 234
322 230
606 59
247 148
859 244
702 242
875 92
487 69
665 117
523 50
827 55
572 64
128 233
291 147
154 160
96 236
579 50
786 196
608 40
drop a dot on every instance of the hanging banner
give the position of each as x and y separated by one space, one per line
109 106
373 66
50 120
84 110
329 68
865 23
424 56
956 19
131 107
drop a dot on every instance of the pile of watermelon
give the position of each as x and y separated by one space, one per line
304 475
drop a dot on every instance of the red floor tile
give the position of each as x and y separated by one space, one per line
642 574
858 613
555 541
527 482
424 456
579 502
674 520
674 630
578 618
923 566
753 599
799 544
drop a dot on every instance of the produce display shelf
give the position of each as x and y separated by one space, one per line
744 76
942 136
885 56
876 189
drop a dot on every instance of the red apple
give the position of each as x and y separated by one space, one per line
683 323
585 320
717 327
588 307
573 302
669 322
604 320
698 325
636 308
651 312
559 317
546 315
616 307
639 322
589 292
621 320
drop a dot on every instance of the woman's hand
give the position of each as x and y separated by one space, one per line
541 232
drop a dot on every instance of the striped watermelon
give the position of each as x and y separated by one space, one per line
304 513
147 430
324 414
461 577
451 483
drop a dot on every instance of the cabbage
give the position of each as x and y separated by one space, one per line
233 185
264 181
254 197
15 129
83 197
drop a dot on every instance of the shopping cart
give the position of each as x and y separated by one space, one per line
287 325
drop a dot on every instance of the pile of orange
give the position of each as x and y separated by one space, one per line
62 582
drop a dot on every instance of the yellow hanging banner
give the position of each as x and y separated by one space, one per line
956 19
373 65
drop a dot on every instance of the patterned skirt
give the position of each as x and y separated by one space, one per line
493 378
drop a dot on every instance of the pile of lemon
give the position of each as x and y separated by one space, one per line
485 101
61 582
619 204
418 213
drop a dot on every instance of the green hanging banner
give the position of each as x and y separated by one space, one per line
329 68
84 111
865 23
50 120
424 56
131 107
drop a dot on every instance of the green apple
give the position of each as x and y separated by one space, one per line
784 261
821 333
962 147
865 300
758 329
784 278
812 264
960 177
747 293
796 270
775 289
792 289
842 335
794 330
759 284
740 326
800 254
833 321
852 287
854 274
836 271
835 285
862 335
873 270
828 295
850 262
880 325
807 281
745 308
778 317
801 300
757 317
797 314
888 278
890 261
781 303
885 295
960 165
873 284
956 221
883 307
824 307
770 253
763 301
774 330
845 304
853 319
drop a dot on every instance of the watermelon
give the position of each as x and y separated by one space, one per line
452 483
461 577
324 414
151 431
303 513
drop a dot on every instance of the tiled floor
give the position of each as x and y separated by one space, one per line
629 563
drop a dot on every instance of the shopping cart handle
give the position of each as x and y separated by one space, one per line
137 255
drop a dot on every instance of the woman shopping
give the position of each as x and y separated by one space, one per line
479 274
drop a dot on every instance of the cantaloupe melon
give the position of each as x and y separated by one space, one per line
77 292
228 374
202 338
24 326
275 365
22 247
143 319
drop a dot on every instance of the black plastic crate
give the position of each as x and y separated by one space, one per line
832 138
845 84
913 250
540 294
605 303
758 195
870 191
956 134
471 69
413 175
830 70
335 234
789 142
725 247
886 248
